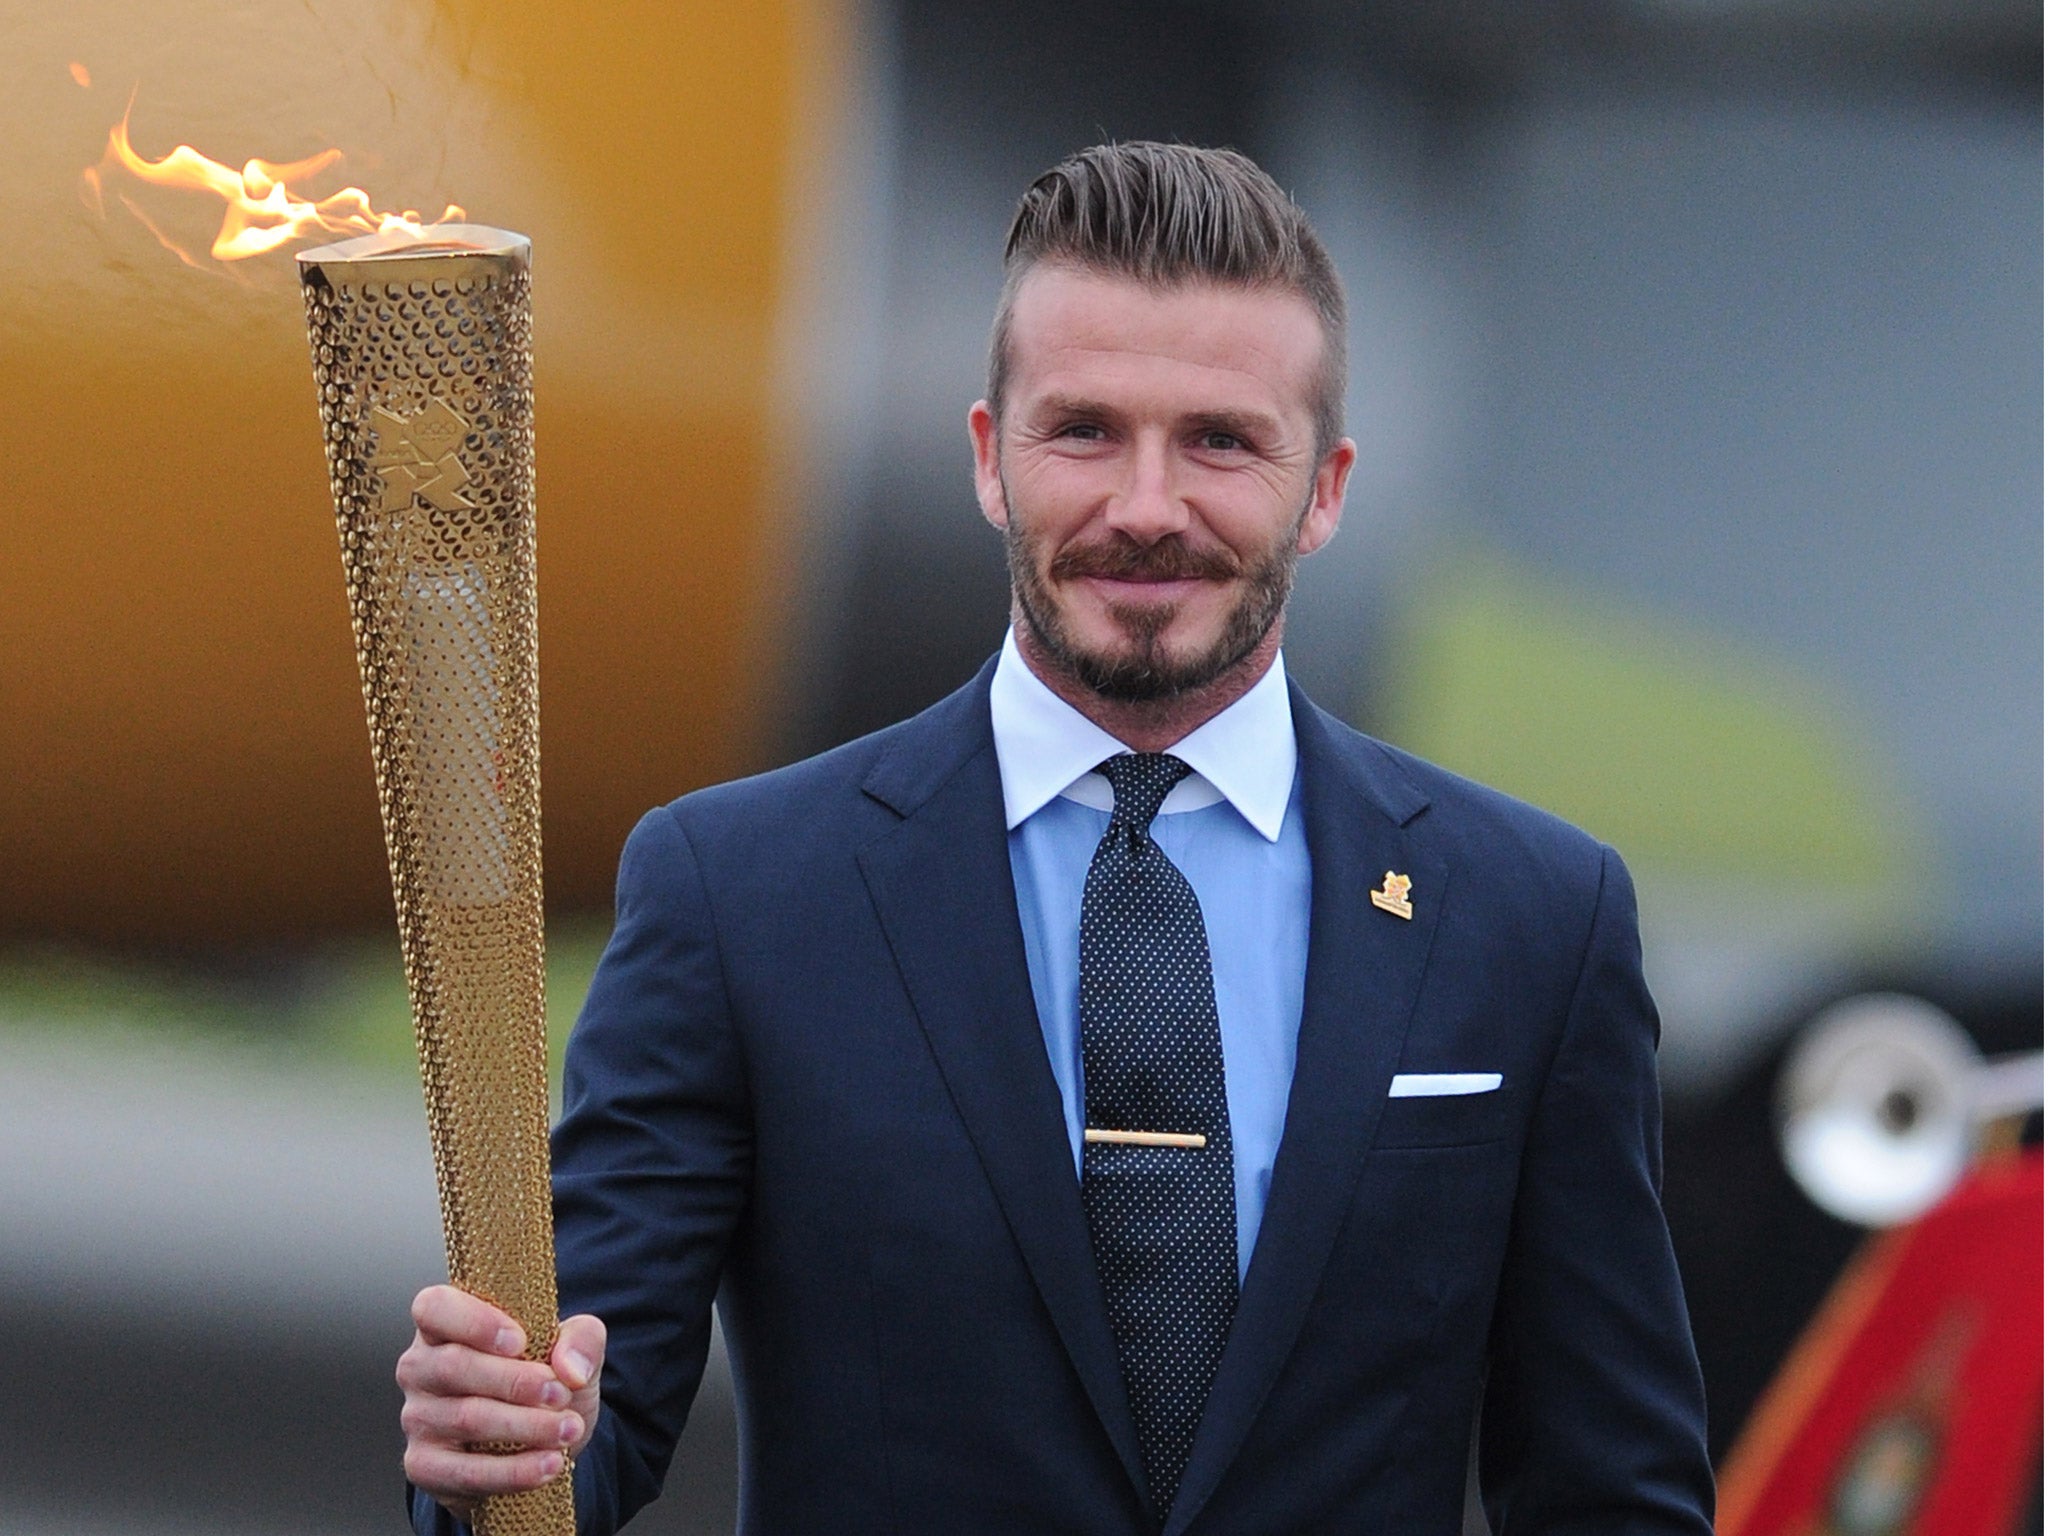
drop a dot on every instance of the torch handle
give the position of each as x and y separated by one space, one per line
551 1508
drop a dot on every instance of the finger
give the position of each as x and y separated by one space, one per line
447 1473
578 1354
456 1370
462 1421
445 1315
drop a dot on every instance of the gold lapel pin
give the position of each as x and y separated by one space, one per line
1393 896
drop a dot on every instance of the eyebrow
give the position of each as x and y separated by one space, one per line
1256 425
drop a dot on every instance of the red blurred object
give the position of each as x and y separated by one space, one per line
1912 1405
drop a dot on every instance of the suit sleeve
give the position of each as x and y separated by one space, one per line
651 1166
1594 1416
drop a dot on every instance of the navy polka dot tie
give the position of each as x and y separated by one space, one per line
1162 1211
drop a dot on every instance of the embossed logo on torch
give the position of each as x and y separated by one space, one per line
417 458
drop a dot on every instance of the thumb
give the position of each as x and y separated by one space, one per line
577 1358
578 1354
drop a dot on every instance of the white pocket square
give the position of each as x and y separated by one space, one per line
1436 1085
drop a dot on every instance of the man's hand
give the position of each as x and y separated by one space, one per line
465 1383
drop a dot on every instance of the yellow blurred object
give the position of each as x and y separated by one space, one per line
179 735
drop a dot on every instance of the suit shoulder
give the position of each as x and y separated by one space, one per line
792 785
1474 817
839 787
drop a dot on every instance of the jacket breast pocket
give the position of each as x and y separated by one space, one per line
1443 1120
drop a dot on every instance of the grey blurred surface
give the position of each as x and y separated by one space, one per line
205 1264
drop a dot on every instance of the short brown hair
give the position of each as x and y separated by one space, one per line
1168 214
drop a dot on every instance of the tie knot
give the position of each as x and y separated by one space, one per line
1141 780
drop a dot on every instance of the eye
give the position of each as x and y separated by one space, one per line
1216 440
1082 431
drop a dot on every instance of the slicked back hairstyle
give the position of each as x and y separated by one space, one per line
1167 215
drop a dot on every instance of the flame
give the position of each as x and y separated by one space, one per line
262 211
81 74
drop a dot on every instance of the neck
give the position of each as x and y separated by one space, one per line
1150 725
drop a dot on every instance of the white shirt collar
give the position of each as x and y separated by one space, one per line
1046 747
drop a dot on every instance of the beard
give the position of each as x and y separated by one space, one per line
1141 669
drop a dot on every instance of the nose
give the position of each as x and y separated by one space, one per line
1148 507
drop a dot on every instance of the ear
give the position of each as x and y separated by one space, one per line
988 464
1326 502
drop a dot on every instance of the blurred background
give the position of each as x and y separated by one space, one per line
1697 375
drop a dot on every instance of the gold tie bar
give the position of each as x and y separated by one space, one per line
1146 1138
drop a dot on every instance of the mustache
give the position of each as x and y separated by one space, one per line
1126 560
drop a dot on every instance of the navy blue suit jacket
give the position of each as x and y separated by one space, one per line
810 1081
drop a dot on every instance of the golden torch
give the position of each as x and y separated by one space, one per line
422 350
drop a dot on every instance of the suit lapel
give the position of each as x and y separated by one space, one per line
942 886
1365 970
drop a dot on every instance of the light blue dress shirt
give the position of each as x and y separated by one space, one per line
1233 828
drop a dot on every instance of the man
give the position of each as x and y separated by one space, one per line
1122 1098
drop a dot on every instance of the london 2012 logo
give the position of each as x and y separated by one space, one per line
417 458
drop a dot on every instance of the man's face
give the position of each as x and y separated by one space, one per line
1155 473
